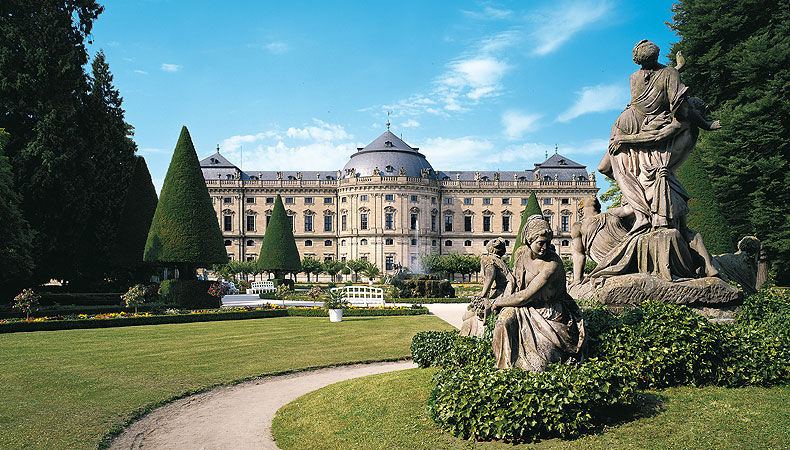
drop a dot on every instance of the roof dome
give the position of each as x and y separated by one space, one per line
389 154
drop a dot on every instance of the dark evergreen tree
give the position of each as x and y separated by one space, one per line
532 208
184 231
738 60
42 92
279 254
704 210
16 237
135 220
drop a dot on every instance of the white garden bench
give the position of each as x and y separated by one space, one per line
362 295
258 287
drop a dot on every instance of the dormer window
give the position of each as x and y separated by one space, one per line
484 178
291 177
388 144
214 161
546 178
561 162
445 178
389 169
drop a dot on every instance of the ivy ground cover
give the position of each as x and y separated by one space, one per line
388 411
72 388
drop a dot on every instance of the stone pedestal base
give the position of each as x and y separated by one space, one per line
711 297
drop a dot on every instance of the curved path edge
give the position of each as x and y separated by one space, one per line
238 416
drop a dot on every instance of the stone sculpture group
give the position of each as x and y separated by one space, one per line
643 249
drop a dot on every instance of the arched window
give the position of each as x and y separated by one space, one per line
485 243
507 243
343 243
433 243
388 241
308 243
327 243
467 243
227 242
448 243
363 242
250 243
414 242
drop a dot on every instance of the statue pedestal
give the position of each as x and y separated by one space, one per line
711 297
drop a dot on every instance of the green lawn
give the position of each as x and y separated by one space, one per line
388 411
68 389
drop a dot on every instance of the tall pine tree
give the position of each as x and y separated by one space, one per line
738 60
135 220
184 231
278 250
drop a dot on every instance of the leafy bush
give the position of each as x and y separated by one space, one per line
189 294
80 298
422 286
431 348
481 402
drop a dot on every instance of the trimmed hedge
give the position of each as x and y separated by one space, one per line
422 286
358 312
426 300
156 307
80 298
189 294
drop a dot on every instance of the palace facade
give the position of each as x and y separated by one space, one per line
389 206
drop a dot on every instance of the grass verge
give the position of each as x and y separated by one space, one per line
70 389
388 411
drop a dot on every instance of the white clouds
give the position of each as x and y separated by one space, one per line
277 48
517 123
593 99
141 72
463 153
170 67
152 151
321 131
409 124
557 25
489 13
233 143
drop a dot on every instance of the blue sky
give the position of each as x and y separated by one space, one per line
300 85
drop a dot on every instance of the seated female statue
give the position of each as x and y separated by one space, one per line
539 324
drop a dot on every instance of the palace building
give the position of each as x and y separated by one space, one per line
388 205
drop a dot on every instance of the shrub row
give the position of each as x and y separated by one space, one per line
83 299
426 300
50 311
70 324
422 287
188 294
481 402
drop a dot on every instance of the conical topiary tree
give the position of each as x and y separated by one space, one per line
278 250
704 210
532 208
184 231
138 211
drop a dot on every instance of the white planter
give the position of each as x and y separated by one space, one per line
335 315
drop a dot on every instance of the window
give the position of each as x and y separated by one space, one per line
448 201
388 221
363 221
289 200
250 243
505 201
250 223
506 223
388 241
268 218
564 243
328 200
565 201
523 201
486 223
364 257
414 198
467 243
269 200
486 201
448 243
342 199
363 242
448 223
327 223
227 200
227 242
228 223
250 199
433 242
433 222
547 201
363 198
308 200
467 201
414 242
564 223
388 262
328 243
250 258
327 258
507 243
389 197
413 222
343 243
548 219
343 222
308 223
308 243
467 223
485 243
291 222
433 200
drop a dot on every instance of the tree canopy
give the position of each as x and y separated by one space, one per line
278 250
738 61
184 230
532 208
135 221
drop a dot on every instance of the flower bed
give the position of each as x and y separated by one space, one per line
124 319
